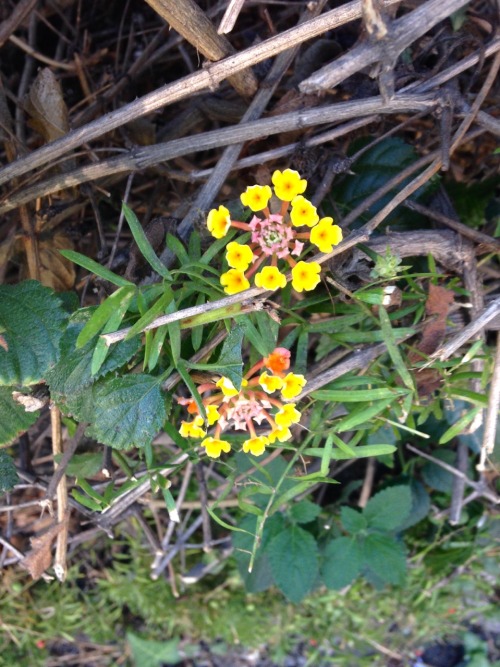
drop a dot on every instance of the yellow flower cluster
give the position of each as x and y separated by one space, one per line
247 407
275 236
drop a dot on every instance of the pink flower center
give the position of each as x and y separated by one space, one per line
272 235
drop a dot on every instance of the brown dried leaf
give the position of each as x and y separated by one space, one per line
437 307
39 558
46 106
56 271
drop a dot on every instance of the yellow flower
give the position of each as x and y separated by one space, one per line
256 197
270 278
288 184
305 276
239 256
303 212
256 446
280 434
270 383
325 235
293 385
212 414
214 447
227 387
287 416
234 281
218 222
192 429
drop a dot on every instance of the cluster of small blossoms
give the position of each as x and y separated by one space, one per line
276 237
242 409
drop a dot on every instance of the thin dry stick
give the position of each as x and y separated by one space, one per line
59 468
366 491
480 487
467 332
190 21
60 567
144 157
403 32
489 243
16 17
220 172
204 80
230 15
491 421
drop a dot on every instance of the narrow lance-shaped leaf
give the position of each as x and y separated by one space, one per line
116 302
143 244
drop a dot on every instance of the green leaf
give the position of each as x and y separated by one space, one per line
304 512
149 653
357 395
129 411
393 349
157 309
362 414
352 520
388 509
102 349
85 465
14 419
361 452
230 362
261 577
459 426
31 324
143 243
175 245
342 562
73 371
119 300
437 477
293 555
95 268
385 557
8 472
193 389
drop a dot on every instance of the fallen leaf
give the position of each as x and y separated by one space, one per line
46 106
39 558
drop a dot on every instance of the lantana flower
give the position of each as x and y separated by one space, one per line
255 407
277 237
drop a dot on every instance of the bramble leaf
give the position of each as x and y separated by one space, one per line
73 371
293 554
304 512
343 561
129 411
31 324
385 557
14 419
388 509
352 520
8 474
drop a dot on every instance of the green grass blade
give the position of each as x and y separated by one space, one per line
95 268
143 244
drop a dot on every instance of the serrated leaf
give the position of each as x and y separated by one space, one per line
14 419
261 577
304 512
385 557
31 323
73 371
85 465
388 509
342 562
437 477
352 520
149 653
8 472
293 555
129 411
